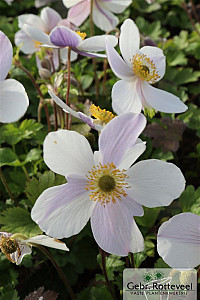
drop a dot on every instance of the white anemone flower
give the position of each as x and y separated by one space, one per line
16 246
104 186
138 69
103 12
13 98
179 241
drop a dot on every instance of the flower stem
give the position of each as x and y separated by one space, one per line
132 261
58 269
7 187
26 173
103 261
38 90
68 83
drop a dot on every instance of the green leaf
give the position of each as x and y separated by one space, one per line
113 264
34 154
187 198
8 157
10 295
86 81
160 264
141 256
35 187
18 220
149 218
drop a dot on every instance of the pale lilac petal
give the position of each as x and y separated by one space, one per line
50 18
132 154
55 59
161 100
157 56
64 210
103 18
97 43
129 40
89 54
155 183
119 135
24 250
47 241
37 35
64 37
114 228
25 42
70 3
31 20
6 54
13 101
68 152
179 241
125 97
5 234
79 12
118 65
116 6
64 55
91 122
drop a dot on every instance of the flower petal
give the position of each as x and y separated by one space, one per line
125 97
63 210
13 101
6 54
28 45
31 20
103 18
97 43
116 6
179 241
129 40
155 183
50 18
70 3
68 152
64 37
24 250
118 66
114 228
48 241
89 54
119 135
157 56
64 55
36 34
132 154
79 12
161 100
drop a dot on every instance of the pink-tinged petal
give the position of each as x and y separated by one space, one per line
114 228
13 101
68 152
6 54
103 18
132 154
31 20
5 234
64 210
25 42
129 40
47 241
155 183
116 6
97 43
79 12
125 97
118 65
50 18
157 56
37 35
64 37
90 121
179 241
119 135
70 3
161 100
24 250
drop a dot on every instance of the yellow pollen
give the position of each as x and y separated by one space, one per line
106 183
103 115
37 44
9 245
145 68
82 34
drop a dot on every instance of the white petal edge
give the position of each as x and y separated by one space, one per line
97 43
47 241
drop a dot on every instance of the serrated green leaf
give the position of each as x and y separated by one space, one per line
8 157
18 220
10 295
113 263
34 154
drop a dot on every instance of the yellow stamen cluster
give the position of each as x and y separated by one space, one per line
103 115
37 44
82 34
144 67
9 245
106 183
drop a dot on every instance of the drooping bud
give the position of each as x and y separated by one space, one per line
45 63
44 73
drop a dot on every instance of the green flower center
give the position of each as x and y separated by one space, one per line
106 183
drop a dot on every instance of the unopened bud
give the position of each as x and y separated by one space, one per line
45 63
148 42
44 73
